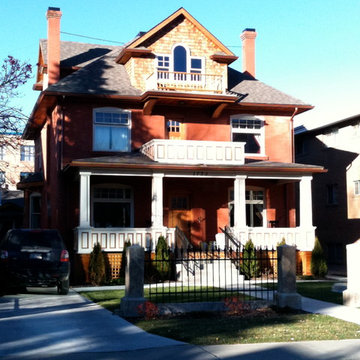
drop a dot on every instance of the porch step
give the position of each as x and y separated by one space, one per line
217 273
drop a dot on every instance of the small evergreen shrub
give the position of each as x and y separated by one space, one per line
319 266
249 266
282 242
162 259
97 266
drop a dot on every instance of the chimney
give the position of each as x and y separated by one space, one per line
248 62
53 16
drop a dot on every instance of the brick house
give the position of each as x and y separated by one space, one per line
336 193
162 136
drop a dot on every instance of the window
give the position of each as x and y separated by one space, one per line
173 126
332 194
35 210
2 177
254 207
2 152
357 187
27 153
112 206
112 129
24 175
250 131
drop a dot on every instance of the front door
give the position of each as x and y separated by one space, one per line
180 214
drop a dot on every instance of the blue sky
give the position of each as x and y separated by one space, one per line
309 49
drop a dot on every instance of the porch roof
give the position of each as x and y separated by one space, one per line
138 161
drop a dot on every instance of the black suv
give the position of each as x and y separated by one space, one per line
34 258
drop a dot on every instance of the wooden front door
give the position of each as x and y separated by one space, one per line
180 214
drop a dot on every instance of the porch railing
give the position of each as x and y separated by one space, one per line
195 152
181 81
113 239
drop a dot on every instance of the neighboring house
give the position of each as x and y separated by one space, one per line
135 141
16 160
336 194
16 163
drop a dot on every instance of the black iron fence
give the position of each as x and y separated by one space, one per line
209 274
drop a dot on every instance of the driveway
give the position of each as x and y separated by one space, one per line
36 324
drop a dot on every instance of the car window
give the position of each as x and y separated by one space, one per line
23 239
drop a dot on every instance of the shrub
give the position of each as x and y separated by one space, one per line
96 266
124 260
282 242
236 306
249 266
318 262
162 259
148 310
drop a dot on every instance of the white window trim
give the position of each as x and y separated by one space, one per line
251 188
260 131
188 59
113 186
112 110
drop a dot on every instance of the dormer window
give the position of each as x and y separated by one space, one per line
112 129
250 130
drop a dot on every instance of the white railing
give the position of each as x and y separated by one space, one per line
195 152
302 238
113 239
167 80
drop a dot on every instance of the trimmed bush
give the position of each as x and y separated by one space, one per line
162 259
319 266
97 266
249 266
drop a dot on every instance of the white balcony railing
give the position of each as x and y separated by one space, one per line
113 239
181 81
195 152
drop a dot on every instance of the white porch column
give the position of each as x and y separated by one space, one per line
157 201
239 202
305 202
84 200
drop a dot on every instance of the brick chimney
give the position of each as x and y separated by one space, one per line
248 40
53 16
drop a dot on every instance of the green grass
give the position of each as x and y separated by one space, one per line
320 291
110 299
206 329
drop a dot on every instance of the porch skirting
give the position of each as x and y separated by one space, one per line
113 264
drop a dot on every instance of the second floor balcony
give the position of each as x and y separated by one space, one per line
195 152
182 81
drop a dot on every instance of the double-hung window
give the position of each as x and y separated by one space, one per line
112 129
2 152
250 130
357 187
163 66
27 153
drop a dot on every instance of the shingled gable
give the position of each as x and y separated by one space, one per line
143 41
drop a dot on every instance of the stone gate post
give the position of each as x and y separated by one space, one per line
134 281
351 296
286 293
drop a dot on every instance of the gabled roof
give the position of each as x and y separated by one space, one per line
101 77
75 54
145 38
257 92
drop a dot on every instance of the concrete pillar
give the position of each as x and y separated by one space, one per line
157 201
240 202
351 296
305 202
134 281
84 221
286 293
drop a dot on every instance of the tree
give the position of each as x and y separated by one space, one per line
14 73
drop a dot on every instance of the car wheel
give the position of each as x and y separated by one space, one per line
63 287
